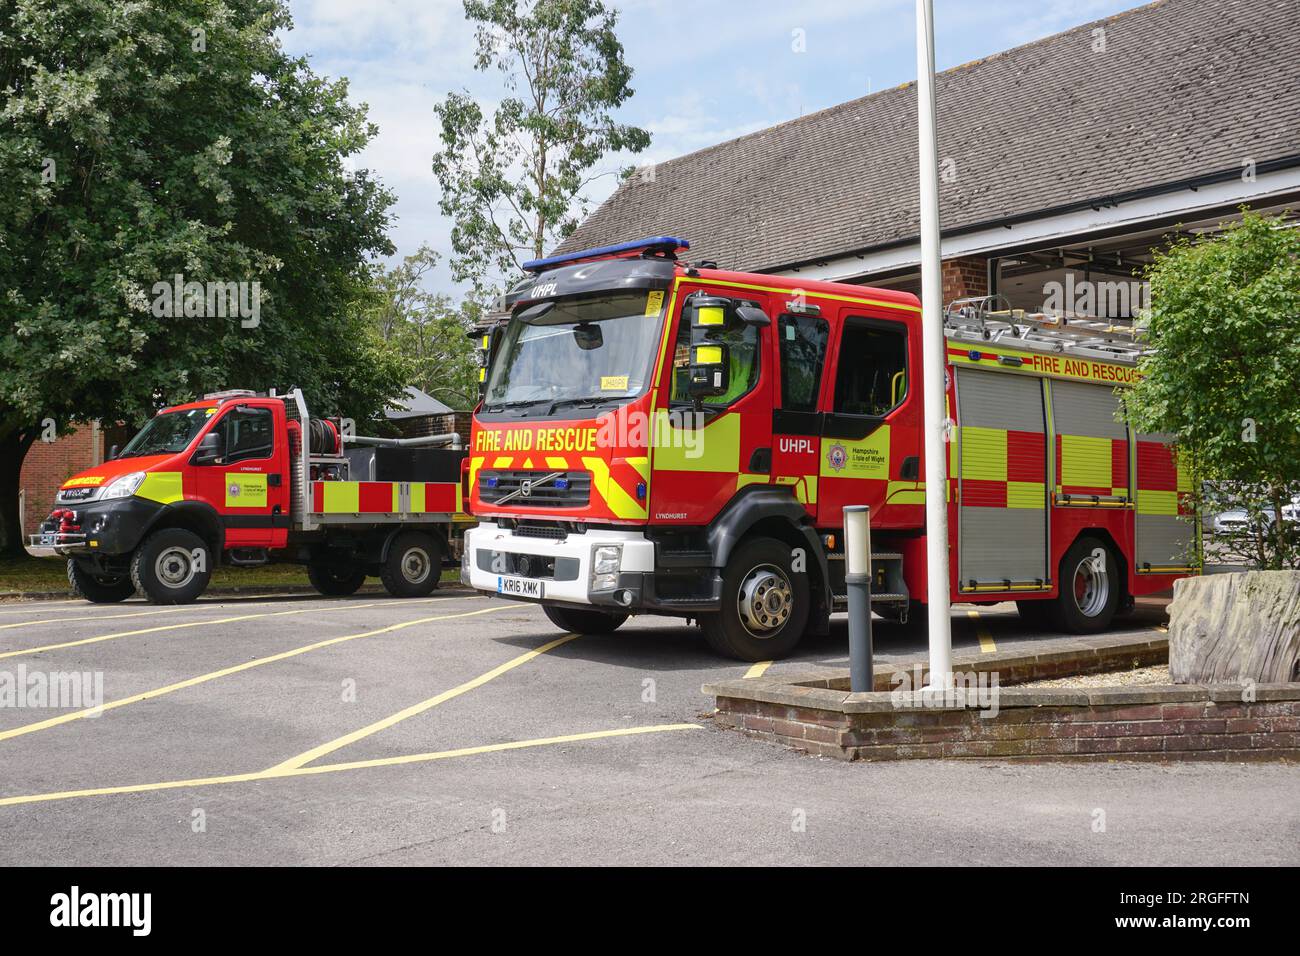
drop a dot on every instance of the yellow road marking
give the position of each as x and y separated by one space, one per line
206 623
227 671
97 617
757 670
337 767
293 763
986 639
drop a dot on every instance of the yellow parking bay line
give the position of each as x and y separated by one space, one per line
757 670
95 617
209 623
338 767
986 639
228 671
294 763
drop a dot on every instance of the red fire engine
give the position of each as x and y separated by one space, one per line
663 437
244 479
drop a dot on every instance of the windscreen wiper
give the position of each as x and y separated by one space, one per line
588 401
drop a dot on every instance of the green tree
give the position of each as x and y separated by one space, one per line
428 331
1225 324
512 183
143 140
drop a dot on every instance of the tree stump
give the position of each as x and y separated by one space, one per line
1235 627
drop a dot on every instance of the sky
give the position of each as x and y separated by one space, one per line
705 71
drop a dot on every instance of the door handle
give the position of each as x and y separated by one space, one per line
760 462
273 480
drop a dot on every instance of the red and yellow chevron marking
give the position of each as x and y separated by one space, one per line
1002 468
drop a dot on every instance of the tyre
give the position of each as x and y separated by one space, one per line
172 566
413 565
335 580
1090 587
582 621
98 588
765 604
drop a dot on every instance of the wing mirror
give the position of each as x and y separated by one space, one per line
212 448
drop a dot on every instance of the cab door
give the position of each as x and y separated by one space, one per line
247 485
869 451
801 347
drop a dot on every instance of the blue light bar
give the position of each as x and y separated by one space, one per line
668 244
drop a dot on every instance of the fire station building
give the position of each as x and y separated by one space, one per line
1063 164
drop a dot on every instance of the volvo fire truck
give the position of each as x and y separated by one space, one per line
663 437
244 479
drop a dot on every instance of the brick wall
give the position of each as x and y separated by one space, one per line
49 464
965 277
1152 724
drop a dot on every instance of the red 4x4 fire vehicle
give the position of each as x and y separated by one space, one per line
667 438
245 479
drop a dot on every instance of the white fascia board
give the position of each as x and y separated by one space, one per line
1072 225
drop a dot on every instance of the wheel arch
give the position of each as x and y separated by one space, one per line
772 511
195 516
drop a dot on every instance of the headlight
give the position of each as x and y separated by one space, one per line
123 487
605 562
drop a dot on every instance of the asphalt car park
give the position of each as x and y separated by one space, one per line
457 729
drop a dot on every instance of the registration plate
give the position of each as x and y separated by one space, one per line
519 587
47 538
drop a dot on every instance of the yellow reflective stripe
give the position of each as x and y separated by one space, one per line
340 497
1157 502
162 486
417 497
1026 494
557 464
1085 461
474 464
905 493
622 504
817 295
642 466
983 453
714 448
1184 479
502 462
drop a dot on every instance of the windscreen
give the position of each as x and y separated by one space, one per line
586 352
167 434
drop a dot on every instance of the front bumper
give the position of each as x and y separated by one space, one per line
113 527
563 565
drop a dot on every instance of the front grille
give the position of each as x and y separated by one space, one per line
550 532
568 489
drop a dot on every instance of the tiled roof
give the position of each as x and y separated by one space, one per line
1184 88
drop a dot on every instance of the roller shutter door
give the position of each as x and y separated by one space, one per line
1092 460
1002 490
1164 540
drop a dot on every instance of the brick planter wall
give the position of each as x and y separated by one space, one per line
816 713
1142 723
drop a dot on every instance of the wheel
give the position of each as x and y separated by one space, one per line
335 580
582 621
413 565
173 566
1038 614
1090 588
98 588
764 604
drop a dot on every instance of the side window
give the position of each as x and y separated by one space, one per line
249 434
872 376
743 345
803 356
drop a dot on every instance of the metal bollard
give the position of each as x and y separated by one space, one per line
857 575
